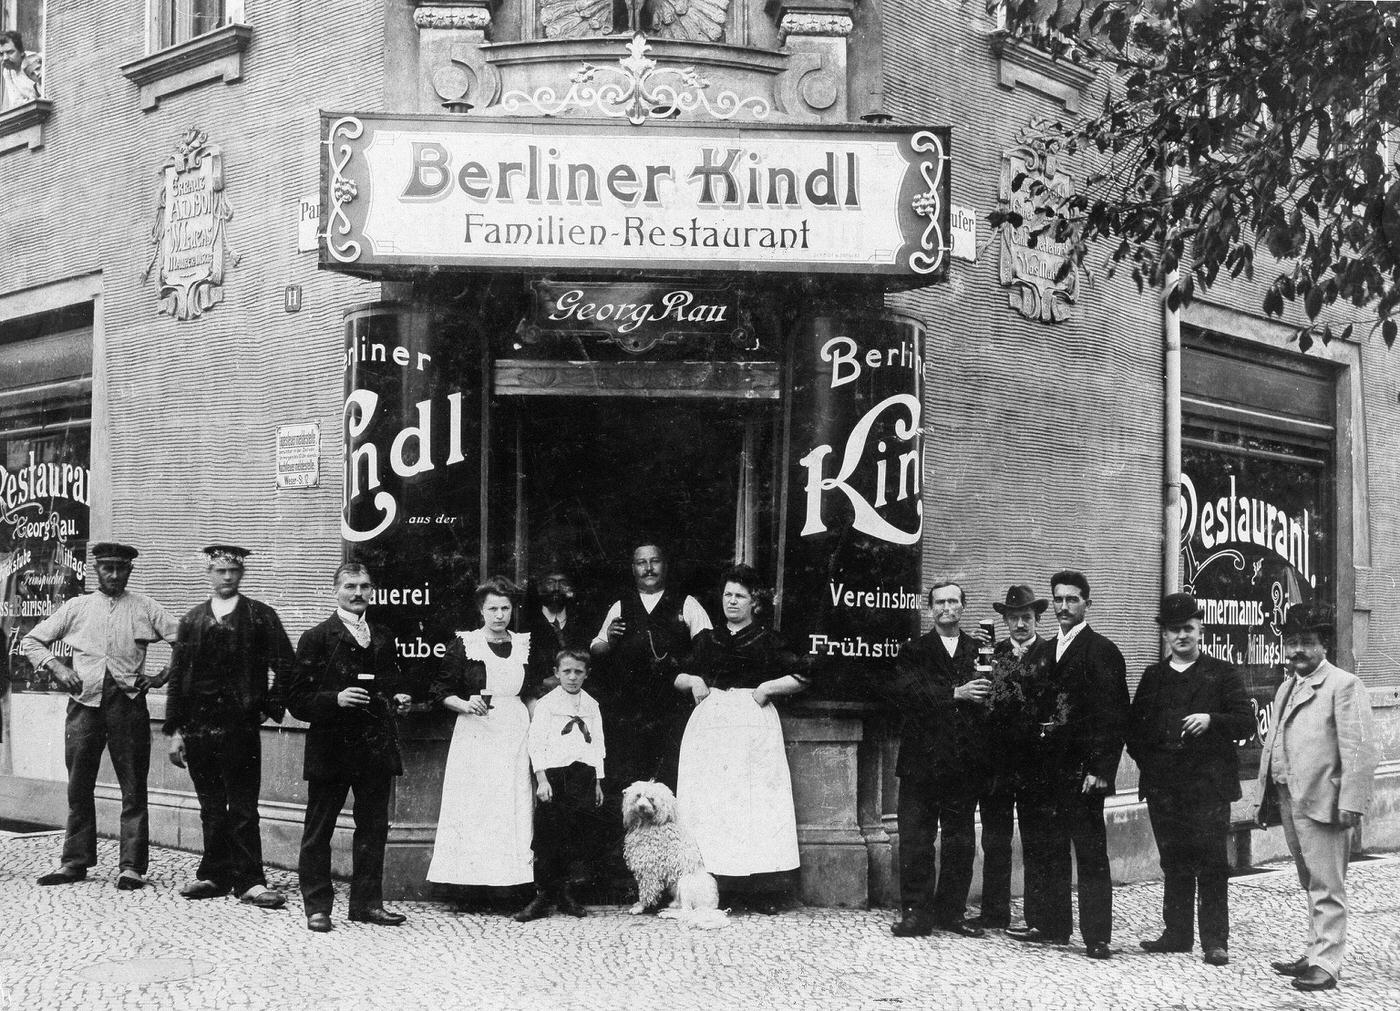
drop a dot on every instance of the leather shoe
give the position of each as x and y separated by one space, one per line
990 922
1033 935
202 889
1294 968
964 927
263 897
319 923
912 924
570 906
130 881
1163 945
1098 949
1316 978
537 909
1216 956
379 916
63 876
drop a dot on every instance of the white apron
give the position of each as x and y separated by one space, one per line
734 788
484 828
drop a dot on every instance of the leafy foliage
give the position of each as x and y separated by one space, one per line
1233 125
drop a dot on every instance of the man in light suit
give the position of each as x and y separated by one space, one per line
940 769
1318 763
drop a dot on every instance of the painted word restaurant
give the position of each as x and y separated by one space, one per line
507 287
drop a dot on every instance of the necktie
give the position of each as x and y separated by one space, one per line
577 721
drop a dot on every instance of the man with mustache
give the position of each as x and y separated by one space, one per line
20 72
1081 704
107 633
1318 765
348 687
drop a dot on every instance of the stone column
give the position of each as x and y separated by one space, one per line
815 32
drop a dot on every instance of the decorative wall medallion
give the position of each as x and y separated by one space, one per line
1031 180
637 89
189 229
683 20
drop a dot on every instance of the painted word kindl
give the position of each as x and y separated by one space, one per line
497 194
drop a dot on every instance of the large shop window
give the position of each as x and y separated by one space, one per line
1258 476
45 426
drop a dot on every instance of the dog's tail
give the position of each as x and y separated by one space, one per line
697 895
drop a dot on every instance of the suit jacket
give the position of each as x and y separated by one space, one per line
1085 694
1208 762
941 737
546 641
347 743
1325 728
260 645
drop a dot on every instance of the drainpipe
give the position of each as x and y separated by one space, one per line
1171 498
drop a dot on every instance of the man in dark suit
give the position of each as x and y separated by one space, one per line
940 769
348 687
553 625
1080 699
1188 712
1006 737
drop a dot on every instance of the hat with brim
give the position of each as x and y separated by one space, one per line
226 554
1315 618
1178 609
111 551
1021 596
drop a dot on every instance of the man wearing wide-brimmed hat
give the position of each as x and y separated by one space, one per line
1007 726
1189 711
106 634
1318 764
219 695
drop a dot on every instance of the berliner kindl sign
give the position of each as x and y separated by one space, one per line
433 191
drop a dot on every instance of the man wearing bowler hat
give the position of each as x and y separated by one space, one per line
106 634
1080 701
1317 768
1007 731
219 695
1189 711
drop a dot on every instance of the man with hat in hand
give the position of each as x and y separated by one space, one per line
1318 765
349 687
1079 698
107 632
1007 731
1189 711
219 695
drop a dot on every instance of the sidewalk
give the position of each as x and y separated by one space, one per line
88 946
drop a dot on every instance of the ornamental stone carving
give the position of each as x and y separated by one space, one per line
812 23
474 19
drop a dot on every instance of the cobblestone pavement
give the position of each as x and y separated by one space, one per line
88 946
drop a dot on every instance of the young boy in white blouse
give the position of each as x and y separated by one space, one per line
566 753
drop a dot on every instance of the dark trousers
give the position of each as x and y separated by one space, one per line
324 799
643 745
225 766
926 806
122 725
570 827
1049 828
1192 834
998 807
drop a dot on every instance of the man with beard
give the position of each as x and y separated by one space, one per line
1188 712
553 626
940 766
108 632
219 695
1319 764
644 638
1081 704
1007 733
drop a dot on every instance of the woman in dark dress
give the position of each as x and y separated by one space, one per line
734 787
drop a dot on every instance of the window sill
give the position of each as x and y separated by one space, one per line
1025 64
23 126
213 56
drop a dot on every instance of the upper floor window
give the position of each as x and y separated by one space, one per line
178 21
21 56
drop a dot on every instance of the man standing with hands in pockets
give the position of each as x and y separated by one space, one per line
940 769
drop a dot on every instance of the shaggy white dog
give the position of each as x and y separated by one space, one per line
665 860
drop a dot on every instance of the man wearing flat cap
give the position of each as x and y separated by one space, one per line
1316 773
1013 662
106 634
1189 711
219 695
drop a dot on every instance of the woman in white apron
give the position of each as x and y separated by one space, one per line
733 785
484 828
